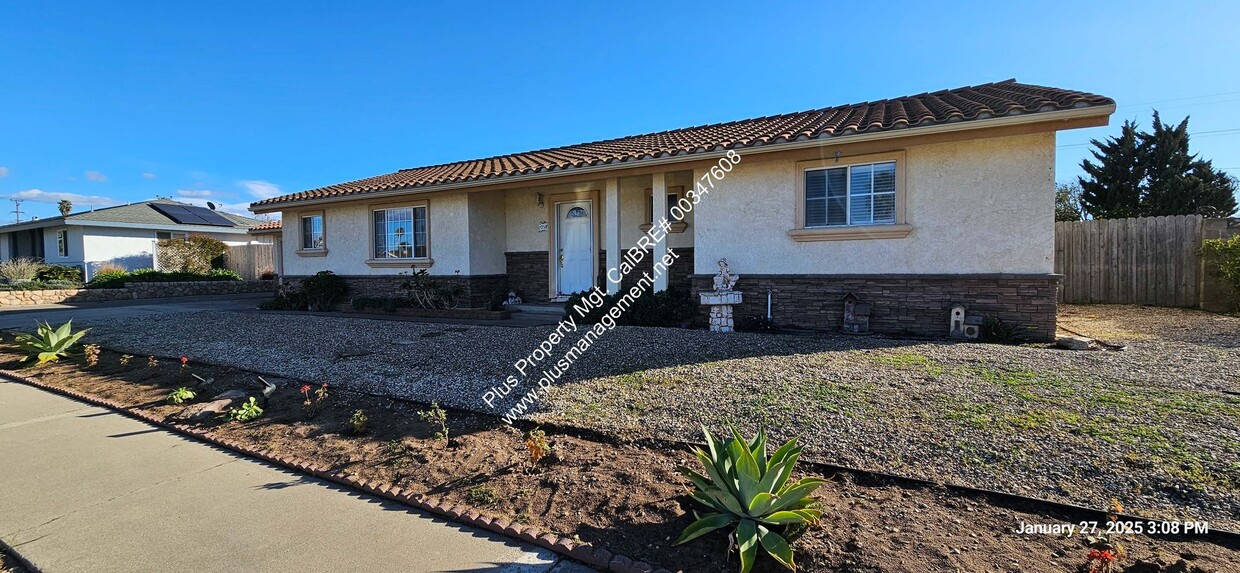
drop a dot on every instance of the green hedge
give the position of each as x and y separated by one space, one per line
118 279
41 285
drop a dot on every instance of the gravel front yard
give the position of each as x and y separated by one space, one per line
1156 425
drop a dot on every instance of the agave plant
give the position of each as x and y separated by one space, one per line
745 487
46 344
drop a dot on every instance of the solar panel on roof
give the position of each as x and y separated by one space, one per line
191 215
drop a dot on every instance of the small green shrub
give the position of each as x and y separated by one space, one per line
40 285
481 496
323 289
286 298
20 269
1224 256
669 308
224 275
182 395
396 448
1000 332
437 416
357 423
746 488
423 291
250 410
60 273
48 344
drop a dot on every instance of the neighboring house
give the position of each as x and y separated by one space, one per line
913 204
124 235
271 232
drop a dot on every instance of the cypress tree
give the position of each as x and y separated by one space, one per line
1169 187
1113 190
1141 174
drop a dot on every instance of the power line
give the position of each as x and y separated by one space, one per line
1176 99
1194 134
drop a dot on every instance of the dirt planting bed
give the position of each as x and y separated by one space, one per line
626 495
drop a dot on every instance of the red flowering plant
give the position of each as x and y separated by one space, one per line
312 406
1105 552
184 364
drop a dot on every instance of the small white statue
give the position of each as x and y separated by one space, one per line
725 279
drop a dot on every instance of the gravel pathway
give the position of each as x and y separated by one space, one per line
1156 425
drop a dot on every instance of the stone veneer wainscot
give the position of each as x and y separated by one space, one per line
916 305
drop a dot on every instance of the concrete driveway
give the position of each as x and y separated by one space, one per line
88 490
93 312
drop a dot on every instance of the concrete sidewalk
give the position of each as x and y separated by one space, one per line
83 489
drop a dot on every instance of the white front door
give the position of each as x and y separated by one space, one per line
574 237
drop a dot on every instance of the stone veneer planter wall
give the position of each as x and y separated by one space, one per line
478 290
902 304
132 291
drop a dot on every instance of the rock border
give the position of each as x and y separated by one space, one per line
587 553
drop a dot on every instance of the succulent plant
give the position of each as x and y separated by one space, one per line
48 344
747 488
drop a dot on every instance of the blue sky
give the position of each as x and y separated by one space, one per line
107 102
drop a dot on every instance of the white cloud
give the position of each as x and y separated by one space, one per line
193 193
237 208
96 176
41 196
261 189
4 171
148 175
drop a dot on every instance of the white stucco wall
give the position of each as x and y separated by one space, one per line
487 233
52 255
977 206
347 229
524 214
129 248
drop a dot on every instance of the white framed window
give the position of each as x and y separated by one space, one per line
312 236
400 232
165 235
62 243
859 194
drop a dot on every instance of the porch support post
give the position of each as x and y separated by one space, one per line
611 232
658 189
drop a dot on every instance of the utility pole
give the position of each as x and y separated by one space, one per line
17 209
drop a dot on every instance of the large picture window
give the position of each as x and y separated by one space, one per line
863 194
400 233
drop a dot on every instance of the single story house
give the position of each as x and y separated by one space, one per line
124 235
913 204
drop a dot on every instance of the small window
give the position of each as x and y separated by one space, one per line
673 196
854 195
165 235
400 233
62 243
312 232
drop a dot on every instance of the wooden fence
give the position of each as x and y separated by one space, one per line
1151 260
251 261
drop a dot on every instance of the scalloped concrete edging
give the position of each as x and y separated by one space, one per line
587 553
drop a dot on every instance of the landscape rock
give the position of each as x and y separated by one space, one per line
217 406
1073 342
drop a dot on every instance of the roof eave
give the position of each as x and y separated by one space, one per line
1101 112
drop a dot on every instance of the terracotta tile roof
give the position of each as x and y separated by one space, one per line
999 99
267 226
